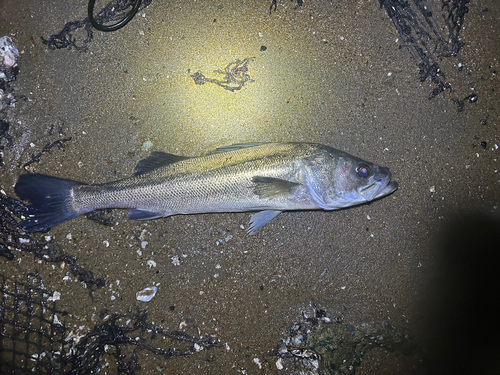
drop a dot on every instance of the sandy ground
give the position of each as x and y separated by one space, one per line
333 73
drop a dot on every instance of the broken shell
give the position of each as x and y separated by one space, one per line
146 294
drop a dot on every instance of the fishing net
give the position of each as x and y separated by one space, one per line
35 340
31 338
430 31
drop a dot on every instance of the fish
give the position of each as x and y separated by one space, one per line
265 177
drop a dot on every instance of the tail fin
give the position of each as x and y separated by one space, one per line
48 196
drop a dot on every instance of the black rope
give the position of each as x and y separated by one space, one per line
117 25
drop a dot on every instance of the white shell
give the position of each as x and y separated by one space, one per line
146 294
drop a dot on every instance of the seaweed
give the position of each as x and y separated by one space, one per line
48 147
234 75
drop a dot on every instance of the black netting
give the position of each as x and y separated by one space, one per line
35 340
430 32
32 339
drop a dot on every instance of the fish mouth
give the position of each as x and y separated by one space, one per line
390 188
378 189
380 184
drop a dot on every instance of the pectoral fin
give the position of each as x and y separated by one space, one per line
260 219
268 187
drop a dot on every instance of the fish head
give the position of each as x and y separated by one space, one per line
372 182
349 181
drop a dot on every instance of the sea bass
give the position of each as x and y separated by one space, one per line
265 177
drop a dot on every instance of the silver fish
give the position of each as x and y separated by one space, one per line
265 177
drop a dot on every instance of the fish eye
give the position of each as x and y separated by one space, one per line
363 170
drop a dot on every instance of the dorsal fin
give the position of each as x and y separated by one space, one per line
236 146
156 160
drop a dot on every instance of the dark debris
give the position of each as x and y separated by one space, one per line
425 36
460 103
5 252
274 4
103 217
67 37
4 127
112 337
48 147
324 344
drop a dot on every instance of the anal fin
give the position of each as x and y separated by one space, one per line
138 214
